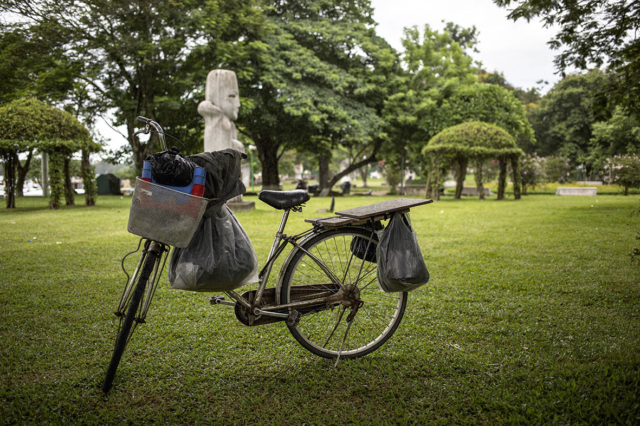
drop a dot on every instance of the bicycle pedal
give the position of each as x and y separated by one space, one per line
216 300
220 300
294 318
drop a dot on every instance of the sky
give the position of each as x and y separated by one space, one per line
518 49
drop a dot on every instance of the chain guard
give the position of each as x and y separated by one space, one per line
298 293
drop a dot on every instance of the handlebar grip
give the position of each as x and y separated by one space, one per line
144 120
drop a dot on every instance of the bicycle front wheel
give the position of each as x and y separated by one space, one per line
323 332
126 326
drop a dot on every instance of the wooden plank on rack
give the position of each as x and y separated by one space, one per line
383 208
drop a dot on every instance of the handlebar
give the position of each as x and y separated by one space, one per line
150 123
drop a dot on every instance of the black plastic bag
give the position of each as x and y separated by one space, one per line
171 168
361 248
220 257
400 263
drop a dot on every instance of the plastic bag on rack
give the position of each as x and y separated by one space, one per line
400 263
220 257
361 248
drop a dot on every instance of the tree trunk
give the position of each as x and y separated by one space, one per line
436 177
352 167
428 191
56 164
268 155
461 174
323 174
478 175
68 186
88 180
502 177
363 175
515 168
22 173
9 179
626 190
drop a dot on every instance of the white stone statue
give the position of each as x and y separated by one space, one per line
220 110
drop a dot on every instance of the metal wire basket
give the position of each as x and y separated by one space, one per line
165 215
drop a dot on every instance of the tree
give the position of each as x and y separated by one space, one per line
436 63
319 81
592 33
625 171
146 58
488 103
474 141
33 63
564 119
527 97
617 136
531 171
27 124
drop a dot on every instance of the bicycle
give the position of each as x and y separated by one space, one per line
331 269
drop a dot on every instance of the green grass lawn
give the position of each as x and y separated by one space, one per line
532 316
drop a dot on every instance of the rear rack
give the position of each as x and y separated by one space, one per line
373 212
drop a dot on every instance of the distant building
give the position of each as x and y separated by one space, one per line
108 184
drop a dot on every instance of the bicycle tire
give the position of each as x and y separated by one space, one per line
365 335
124 333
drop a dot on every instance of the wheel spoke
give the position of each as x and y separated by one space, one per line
376 320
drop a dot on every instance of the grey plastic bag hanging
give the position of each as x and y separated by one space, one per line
400 263
220 257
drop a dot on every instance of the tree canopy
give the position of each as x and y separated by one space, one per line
592 33
475 141
319 80
28 124
144 58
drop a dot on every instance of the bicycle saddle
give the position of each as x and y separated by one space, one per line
282 200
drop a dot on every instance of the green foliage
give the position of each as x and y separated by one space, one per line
527 97
33 63
618 135
564 119
531 171
127 173
56 164
151 59
320 78
595 32
473 139
557 169
436 63
625 171
28 123
487 103
392 175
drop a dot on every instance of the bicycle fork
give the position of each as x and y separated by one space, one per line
161 251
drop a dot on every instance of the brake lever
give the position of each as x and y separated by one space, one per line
145 131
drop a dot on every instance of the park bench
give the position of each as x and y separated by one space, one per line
584 191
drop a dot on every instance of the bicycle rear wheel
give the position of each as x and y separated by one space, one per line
126 326
322 332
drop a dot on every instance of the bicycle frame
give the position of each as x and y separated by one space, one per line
279 243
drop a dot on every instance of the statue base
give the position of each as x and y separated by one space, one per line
241 206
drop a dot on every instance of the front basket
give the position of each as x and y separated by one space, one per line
164 215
